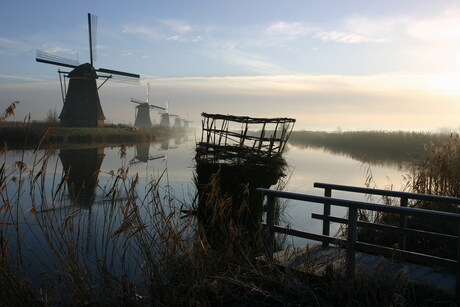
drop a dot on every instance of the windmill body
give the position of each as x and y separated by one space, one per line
143 111
165 120
177 123
82 107
143 116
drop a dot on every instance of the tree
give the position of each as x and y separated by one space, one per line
52 117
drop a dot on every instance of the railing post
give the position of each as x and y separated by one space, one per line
457 281
326 214
403 224
270 225
351 241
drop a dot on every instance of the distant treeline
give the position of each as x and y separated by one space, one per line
26 136
376 147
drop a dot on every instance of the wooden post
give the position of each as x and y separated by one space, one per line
326 214
270 225
457 281
403 224
262 136
273 139
351 241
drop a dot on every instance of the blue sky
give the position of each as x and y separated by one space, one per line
380 65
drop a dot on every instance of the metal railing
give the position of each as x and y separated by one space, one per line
350 242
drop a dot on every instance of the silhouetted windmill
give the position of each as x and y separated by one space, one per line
186 123
177 122
82 107
143 111
165 116
142 154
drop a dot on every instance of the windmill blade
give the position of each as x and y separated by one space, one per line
92 29
119 73
123 79
49 58
156 107
137 101
148 92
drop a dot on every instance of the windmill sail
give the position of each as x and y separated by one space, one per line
137 101
92 28
49 58
116 72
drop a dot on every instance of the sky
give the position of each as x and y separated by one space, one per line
348 65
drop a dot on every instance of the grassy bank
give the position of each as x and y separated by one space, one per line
437 174
371 146
29 135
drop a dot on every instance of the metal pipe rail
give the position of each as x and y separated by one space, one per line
404 202
351 242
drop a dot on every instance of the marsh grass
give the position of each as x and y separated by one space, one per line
132 248
437 174
376 147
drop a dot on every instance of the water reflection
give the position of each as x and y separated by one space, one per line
142 154
82 167
165 144
229 210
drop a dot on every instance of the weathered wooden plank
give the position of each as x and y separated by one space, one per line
318 260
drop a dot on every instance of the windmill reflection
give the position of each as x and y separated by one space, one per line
143 155
82 167
165 144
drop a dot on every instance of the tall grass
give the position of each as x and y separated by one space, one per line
377 147
134 247
438 174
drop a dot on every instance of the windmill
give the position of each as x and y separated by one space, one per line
186 123
143 111
177 122
143 155
82 107
165 117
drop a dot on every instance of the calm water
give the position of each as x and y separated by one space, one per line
172 163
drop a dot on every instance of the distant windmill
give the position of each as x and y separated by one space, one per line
165 122
177 122
186 123
143 111
82 107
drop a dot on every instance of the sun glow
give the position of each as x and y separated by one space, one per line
443 84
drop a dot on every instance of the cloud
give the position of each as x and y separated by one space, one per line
444 26
165 29
289 30
362 29
58 49
231 52
176 25
440 28
383 101
374 29
343 37
297 30
9 46
146 32
367 101
19 78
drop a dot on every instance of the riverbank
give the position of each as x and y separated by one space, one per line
27 136
377 147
